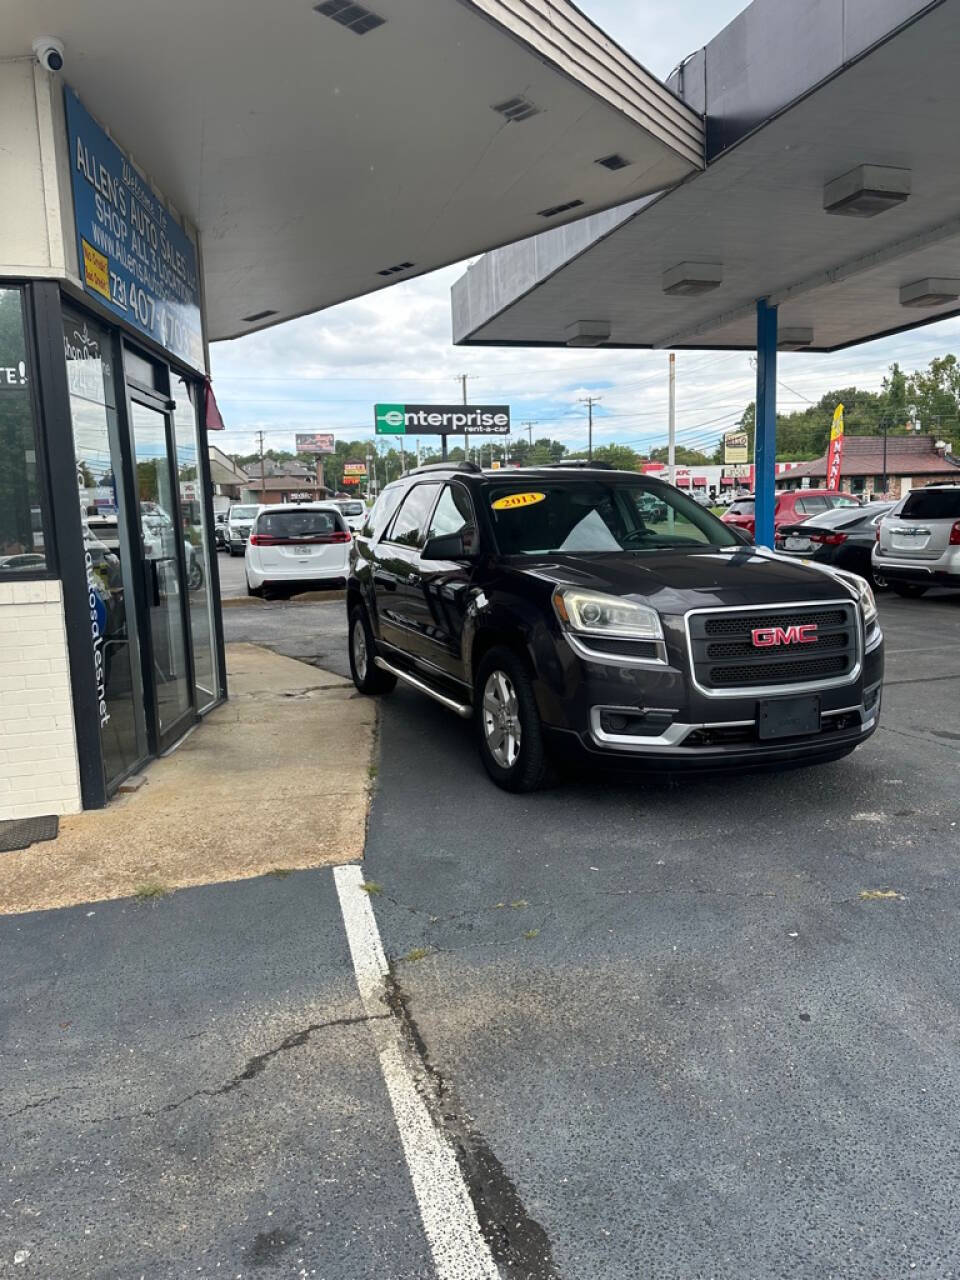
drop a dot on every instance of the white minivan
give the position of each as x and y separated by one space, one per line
294 543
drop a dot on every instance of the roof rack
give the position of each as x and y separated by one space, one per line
573 462
470 468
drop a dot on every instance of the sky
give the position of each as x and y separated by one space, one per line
325 372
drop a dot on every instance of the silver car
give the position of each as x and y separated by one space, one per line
918 543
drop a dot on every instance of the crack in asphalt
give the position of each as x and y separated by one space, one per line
519 1244
253 1067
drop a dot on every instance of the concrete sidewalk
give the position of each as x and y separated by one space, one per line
277 779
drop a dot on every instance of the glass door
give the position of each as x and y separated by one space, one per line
163 559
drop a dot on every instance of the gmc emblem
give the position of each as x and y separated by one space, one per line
766 637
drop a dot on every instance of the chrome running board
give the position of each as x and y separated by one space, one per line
461 708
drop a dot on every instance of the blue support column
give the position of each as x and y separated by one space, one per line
765 439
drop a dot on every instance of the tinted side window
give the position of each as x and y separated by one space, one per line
810 506
410 525
932 504
381 511
453 513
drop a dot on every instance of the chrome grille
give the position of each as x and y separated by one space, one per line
725 658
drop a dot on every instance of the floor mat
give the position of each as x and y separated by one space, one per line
23 832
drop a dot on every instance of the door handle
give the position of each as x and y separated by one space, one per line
388 581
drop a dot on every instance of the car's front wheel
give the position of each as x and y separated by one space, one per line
909 590
508 723
367 676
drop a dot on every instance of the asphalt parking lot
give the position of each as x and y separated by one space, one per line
705 1029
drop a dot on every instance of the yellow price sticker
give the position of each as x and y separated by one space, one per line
513 500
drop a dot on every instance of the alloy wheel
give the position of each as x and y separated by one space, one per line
359 650
501 719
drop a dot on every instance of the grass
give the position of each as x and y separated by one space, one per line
880 895
372 771
371 887
416 953
151 891
279 873
531 934
519 904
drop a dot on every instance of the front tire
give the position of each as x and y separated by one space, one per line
509 730
909 590
367 676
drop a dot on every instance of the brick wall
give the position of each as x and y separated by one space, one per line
38 750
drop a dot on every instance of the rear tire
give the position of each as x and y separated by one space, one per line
367 676
509 730
878 581
909 590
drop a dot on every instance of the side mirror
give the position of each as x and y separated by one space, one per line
449 546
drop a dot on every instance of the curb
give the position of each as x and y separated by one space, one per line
303 597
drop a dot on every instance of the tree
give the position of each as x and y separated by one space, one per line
685 457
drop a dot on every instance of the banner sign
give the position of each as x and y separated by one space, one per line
316 442
736 446
354 468
442 419
134 257
835 452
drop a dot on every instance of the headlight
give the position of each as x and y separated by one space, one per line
591 612
865 593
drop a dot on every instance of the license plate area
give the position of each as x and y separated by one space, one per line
798 544
788 717
910 539
302 551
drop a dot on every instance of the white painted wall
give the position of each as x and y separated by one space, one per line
34 240
38 748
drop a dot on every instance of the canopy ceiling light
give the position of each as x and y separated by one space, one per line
587 333
866 191
934 291
794 339
687 279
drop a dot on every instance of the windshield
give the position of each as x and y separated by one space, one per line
305 523
538 517
351 508
242 513
932 504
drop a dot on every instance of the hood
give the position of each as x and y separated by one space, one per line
675 581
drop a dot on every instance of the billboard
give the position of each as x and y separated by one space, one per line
316 442
736 446
135 258
442 419
355 469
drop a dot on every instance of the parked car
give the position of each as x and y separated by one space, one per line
844 537
354 513
651 508
545 606
791 506
294 544
220 530
918 542
239 521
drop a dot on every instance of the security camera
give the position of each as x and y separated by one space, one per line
49 52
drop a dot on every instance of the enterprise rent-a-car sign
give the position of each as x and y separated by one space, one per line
442 419
134 257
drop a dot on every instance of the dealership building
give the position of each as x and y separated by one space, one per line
172 180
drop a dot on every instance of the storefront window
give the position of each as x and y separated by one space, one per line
116 658
21 525
197 542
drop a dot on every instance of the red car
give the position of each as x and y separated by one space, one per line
792 507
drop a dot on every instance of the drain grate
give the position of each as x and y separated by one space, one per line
23 832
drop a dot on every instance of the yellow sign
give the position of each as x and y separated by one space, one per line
513 500
96 270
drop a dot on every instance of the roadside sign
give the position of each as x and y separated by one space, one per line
442 419
735 447
354 468
316 442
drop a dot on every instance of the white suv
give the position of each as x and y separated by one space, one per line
918 543
294 544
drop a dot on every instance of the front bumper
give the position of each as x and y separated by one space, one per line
683 728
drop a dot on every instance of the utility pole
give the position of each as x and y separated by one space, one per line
263 481
590 401
530 426
672 423
462 379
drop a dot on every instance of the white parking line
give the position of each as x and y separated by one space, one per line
449 1219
